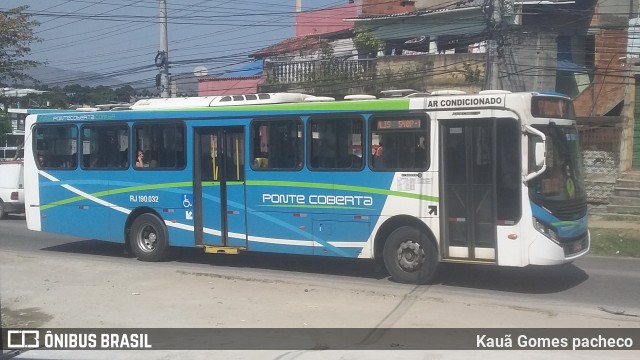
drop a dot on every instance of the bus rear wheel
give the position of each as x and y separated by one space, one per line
410 256
148 238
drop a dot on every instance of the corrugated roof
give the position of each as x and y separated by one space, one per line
462 4
443 8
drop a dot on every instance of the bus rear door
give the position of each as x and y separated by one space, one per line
219 187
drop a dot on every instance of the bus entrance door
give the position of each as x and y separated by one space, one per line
468 178
219 189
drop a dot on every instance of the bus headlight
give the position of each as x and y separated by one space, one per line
545 230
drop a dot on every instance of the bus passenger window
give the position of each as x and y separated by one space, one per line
162 146
105 146
276 144
399 143
55 146
335 143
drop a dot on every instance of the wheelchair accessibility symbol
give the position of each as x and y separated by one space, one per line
187 201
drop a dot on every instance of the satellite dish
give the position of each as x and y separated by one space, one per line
200 70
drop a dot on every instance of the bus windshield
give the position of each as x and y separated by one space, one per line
562 180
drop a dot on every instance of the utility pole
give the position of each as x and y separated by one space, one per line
495 22
162 59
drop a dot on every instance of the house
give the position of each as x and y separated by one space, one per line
575 47
241 81
332 62
318 58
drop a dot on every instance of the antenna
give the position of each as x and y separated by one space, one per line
200 71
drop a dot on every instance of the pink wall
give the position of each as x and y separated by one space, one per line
231 86
325 20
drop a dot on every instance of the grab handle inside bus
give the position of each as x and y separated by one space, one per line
539 152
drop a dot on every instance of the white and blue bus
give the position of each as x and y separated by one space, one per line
489 178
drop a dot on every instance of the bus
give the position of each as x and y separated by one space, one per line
488 178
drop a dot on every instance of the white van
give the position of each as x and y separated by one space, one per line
11 188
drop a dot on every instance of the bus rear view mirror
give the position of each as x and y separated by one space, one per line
540 155
537 156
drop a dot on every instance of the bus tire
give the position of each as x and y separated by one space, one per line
410 256
148 238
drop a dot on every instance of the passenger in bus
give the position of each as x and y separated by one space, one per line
150 158
376 160
41 161
140 161
421 154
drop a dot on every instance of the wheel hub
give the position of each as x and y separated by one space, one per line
410 255
149 239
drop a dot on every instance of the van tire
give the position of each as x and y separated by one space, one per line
149 238
3 214
410 256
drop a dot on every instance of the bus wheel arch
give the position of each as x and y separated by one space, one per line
408 249
146 235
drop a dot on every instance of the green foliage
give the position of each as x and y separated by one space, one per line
326 50
62 98
615 242
471 74
16 35
365 42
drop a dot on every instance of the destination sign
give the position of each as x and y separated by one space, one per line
552 107
399 124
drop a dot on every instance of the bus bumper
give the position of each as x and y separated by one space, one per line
13 207
544 251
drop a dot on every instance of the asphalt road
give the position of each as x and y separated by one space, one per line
599 282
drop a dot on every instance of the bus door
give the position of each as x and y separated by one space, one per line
468 169
219 186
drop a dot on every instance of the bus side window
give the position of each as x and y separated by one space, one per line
335 143
103 144
400 144
162 145
276 144
56 146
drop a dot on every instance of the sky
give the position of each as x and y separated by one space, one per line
121 38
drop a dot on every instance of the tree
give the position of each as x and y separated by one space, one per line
16 35
366 43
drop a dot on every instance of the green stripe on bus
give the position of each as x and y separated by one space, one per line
361 189
378 105
310 185
100 194
316 207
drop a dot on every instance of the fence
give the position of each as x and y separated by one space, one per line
292 72
601 154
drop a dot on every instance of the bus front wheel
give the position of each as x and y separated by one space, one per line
148 238
410 256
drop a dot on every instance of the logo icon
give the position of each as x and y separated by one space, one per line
187 201
23 339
